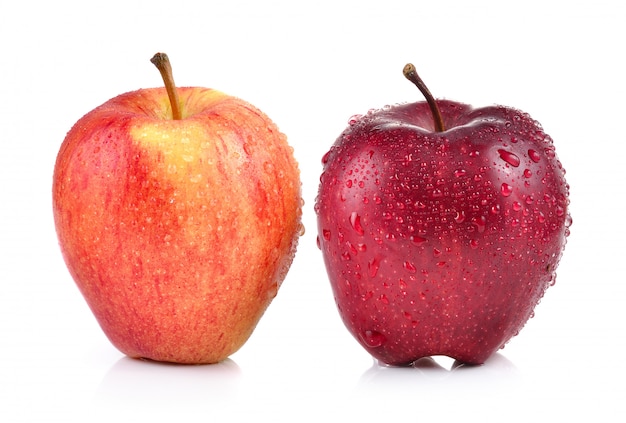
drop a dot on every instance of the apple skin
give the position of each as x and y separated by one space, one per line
178 233
440 243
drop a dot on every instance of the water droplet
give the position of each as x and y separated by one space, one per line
373 339
541 218
325 157
460 173
383 299
349 183
534 156
517 206
480 223
474 244
372 267
352 248
247 148
355 221
509 157
318 242
416 239
460 217
268 167
326 234
402 284
419 205
527 173
410 267
506 189
354 119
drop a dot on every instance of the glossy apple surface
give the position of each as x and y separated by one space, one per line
177 232
440 242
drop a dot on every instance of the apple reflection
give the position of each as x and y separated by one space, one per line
134 386
432 373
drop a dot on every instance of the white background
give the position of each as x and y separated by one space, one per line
310 66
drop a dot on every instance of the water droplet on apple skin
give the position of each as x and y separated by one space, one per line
410 267
479 223
355 222
509 157
372 267
534 156
354 119
506 189
417 240
373 339
459 216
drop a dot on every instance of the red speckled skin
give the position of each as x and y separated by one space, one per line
440 243
177 233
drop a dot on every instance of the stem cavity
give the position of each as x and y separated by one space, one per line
162 62
410 73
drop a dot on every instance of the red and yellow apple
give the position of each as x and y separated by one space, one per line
178 212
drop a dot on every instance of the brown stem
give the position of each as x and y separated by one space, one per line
410 73
162 62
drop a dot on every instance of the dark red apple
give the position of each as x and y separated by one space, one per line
441 226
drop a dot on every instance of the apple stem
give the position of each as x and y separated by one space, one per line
162 62
410 73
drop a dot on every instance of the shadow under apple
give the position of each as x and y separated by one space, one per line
136 386
440 389
430 374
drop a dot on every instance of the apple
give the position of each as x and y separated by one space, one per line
441 226
178 212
